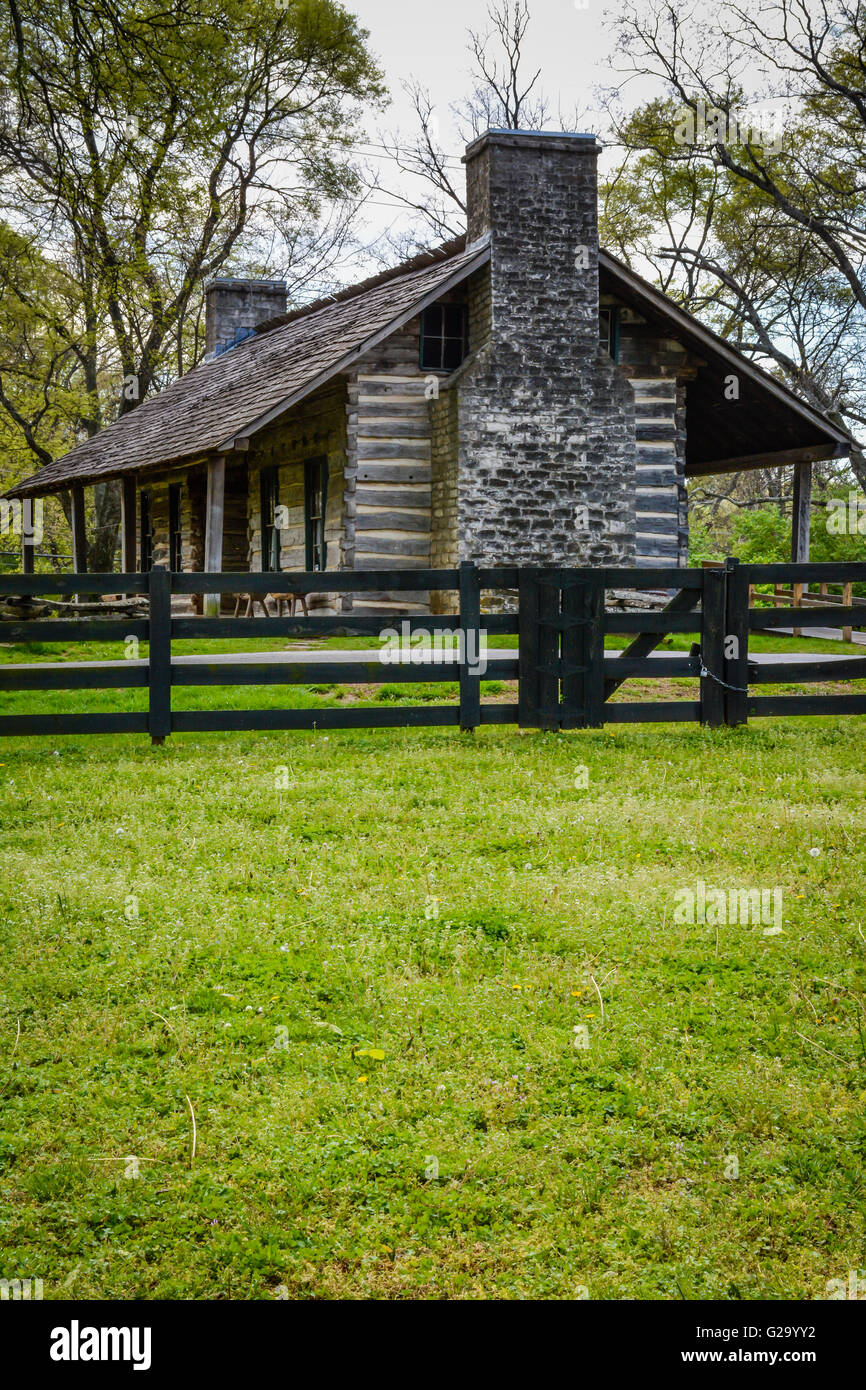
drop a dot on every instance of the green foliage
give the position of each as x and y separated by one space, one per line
762 535
144 150
747 204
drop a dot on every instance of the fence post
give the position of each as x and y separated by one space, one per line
583 684
737 627
539 629
470 622
847 602
159 662
797 595
527 627
594 648
713 646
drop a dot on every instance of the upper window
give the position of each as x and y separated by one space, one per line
608 330
443 337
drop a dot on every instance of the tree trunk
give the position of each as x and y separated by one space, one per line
103 541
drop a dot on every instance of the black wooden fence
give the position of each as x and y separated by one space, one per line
565 677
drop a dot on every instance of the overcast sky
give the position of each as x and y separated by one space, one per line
571 44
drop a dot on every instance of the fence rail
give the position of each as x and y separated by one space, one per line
565 677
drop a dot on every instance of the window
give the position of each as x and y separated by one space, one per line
146 532
175 532
270 495
315 502
608 331
443 337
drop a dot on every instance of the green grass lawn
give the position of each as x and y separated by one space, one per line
356 963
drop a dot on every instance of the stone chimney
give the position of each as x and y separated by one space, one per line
546 473
232 304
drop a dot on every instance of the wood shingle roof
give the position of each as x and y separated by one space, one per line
231 396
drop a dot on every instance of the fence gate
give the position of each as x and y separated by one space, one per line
561 649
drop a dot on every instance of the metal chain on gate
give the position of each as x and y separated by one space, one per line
705 672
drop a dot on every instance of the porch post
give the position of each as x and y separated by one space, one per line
128 534
79 534
802 511
28 540
213 539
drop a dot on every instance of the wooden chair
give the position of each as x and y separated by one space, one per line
292 601
279 600
252 600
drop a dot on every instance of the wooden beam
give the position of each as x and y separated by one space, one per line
802 513
128 530
79 532
777 459
215 517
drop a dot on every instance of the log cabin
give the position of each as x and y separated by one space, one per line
515 396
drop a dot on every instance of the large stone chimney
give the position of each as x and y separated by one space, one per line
546 470
231 305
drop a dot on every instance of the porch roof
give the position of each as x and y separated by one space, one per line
228 398
767 425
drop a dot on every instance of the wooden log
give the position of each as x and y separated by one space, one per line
394 473
392 521
410 450
393 497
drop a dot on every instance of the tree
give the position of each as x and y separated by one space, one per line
147 148
503 95
748 200
43 398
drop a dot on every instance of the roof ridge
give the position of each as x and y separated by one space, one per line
417 262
